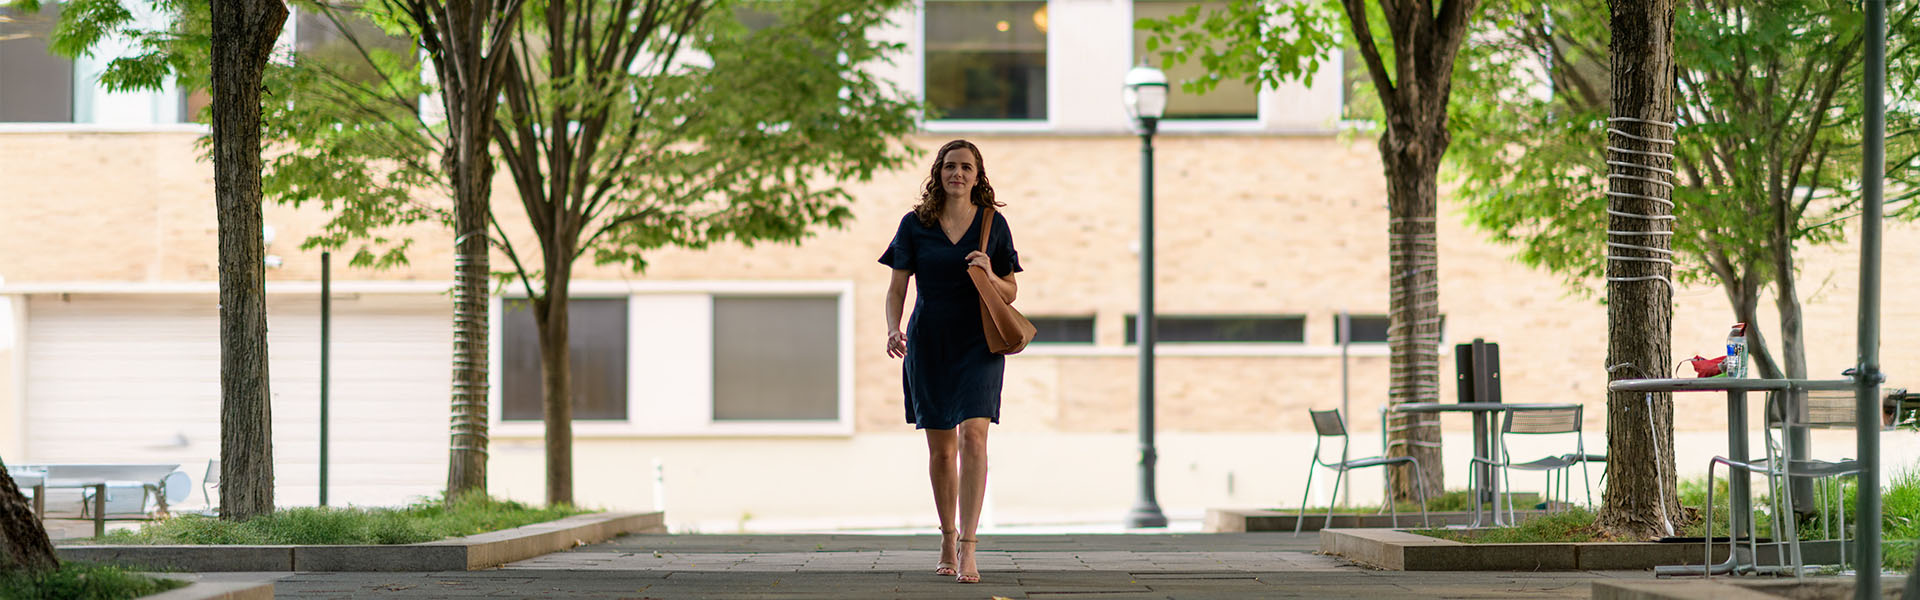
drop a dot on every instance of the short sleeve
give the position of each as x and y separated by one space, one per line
1006 260
899 254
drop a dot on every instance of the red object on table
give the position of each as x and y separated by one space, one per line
1706 367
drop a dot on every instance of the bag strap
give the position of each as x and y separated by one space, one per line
986 226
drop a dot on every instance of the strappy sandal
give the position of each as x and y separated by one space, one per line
947 569
963 577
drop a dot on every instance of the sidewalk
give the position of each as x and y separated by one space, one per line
1247 565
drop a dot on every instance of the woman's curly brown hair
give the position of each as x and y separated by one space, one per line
934 197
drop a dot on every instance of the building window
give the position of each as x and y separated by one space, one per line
776 358
36 86
1281 329
318 38
597 347
1062 330
986 60
1233 98
1367 329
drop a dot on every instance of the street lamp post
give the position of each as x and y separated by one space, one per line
1146 99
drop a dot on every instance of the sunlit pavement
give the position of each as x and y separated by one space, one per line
1081 565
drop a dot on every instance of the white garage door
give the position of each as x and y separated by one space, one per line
136 378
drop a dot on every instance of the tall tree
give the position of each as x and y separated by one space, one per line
1408 48
466 41
225 43
627 127
242 36
1766 103
634 126
1640 500
23 540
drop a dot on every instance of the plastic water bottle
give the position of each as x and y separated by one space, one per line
1736 362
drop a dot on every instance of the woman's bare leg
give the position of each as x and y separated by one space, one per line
973 490
943 453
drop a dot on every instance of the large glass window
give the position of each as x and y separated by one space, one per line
1367 329
318 38
776 358
597 347
36 86
986 60
1062 330
1233 98
1286 329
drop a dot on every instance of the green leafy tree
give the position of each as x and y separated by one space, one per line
1641 500
223 45
1767 156
1409 48
626 127
460 38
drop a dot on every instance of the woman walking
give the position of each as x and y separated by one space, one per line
952 381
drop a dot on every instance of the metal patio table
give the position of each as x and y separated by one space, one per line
1737 443
1486 443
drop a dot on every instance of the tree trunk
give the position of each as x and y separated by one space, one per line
23 540
1745 300
557 376
1793 353
1411 149
1640 501
472 168
472 70
243 35
1413 89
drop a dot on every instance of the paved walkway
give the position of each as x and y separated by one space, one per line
1253 565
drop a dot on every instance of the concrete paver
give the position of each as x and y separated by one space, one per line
1076 567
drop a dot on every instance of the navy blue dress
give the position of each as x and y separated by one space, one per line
948 373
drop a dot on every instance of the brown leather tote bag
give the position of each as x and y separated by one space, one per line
1008 332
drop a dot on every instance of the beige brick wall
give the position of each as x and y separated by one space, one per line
1245 224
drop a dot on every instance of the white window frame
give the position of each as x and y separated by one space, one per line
987 125
1261 99
682 406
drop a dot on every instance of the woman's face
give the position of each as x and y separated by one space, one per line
958 171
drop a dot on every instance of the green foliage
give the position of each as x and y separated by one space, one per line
82 581
1757 126
177 52
1268 43
423 522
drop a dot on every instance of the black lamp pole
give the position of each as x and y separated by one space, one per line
1146 510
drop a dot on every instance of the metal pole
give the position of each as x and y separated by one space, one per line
1867 377
1146 510
1346 406
326 333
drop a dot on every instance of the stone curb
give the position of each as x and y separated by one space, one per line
457 554
1242 520
217 591
1735 589
1402 551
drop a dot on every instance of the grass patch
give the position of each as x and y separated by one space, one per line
423 522
82 581
1572 525
1900 522
1451 501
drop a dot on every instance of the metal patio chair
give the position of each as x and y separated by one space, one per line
1541 419
1328 423
1820 409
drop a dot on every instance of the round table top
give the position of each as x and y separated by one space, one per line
1432 407
1726 384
